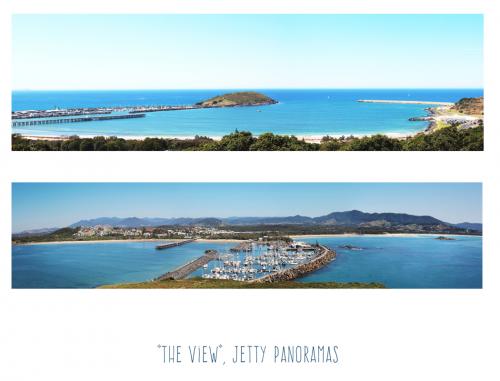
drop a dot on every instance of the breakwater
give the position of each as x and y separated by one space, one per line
243 246
23 123
184 270
325 256
406 102
173 244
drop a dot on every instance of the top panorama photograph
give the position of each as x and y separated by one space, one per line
247 82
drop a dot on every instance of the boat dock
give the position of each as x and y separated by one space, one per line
173 244
406 102
23 123
184 270
324 256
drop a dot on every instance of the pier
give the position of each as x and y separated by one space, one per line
184 270
173 244
37 122
406 102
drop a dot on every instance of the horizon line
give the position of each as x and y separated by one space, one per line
255 88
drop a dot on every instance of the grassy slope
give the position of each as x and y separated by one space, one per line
212 283
470 106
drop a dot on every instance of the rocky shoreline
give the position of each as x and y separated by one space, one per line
455 114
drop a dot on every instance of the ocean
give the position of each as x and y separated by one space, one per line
397 262
299 112
403 262
88 265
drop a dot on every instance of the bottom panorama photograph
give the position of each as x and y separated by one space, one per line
246 235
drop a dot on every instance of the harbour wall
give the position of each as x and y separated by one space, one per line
326 256
406 102
184 270
173 244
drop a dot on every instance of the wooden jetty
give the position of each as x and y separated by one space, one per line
173 244
184 270
23 123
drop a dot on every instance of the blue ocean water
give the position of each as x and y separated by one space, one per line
299 112
404 262
88 265
398 262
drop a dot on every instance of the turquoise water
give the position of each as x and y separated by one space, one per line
398 262
404 262
88 265
299 112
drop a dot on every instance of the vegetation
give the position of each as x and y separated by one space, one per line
244 98
297 229
216 283
264 232
470 106
64 234
450 138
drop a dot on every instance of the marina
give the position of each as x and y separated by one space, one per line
267 261
36 114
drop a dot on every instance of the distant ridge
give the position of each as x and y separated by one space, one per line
470 226
347 218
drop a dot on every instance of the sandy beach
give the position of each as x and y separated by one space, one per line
306 138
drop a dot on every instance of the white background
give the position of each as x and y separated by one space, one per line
382 334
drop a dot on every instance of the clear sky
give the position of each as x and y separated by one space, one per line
246 51
37 205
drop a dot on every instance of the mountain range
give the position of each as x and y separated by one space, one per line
348 218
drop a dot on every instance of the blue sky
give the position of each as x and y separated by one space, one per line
37 205
247 51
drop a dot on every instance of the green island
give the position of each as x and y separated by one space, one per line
238 99
234 284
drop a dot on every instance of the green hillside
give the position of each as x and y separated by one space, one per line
245 98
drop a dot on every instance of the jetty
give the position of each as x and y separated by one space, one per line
173 244
184 270
37 122
406 102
